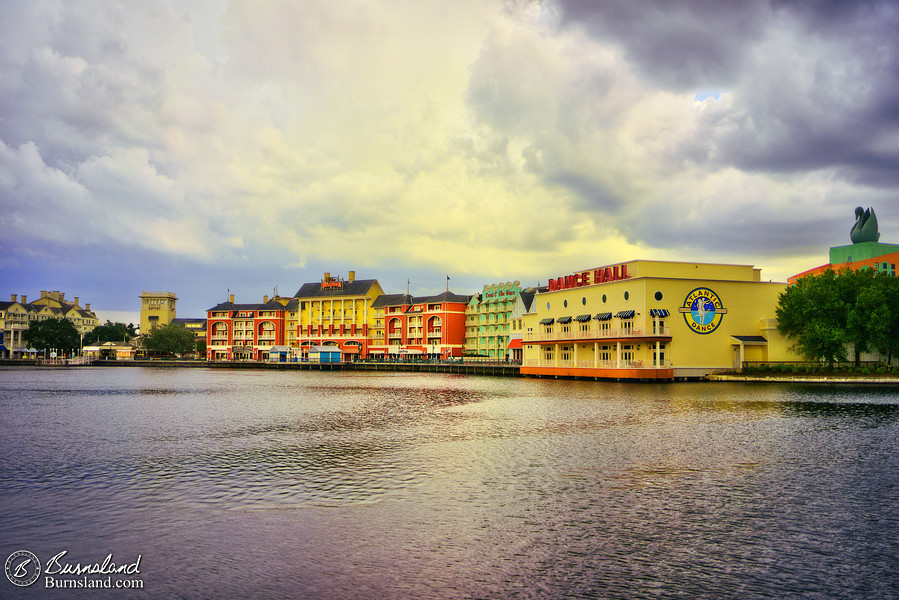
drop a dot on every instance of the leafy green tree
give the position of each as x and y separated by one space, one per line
201 347
172 338
884 317
864 305
814 314
829 313
110 332
53 334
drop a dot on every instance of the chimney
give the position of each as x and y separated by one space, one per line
62 296
352 276
327 277
265 299
76 300
231 299
24 299
87 306
14 297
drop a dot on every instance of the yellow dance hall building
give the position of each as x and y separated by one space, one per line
653 320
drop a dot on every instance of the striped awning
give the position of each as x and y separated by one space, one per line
603 317
658 312
625 314
549 321
564 320
582 318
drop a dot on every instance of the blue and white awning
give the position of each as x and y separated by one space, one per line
658 312
549 321
603 317
625 314
564 320
582 318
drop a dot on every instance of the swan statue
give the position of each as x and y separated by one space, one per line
865 228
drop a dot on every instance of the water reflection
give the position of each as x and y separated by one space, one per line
429 486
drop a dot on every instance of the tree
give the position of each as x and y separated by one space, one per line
58 334
110 332
172 338
201 347
813 312
829 313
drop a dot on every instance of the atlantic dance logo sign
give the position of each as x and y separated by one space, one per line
703 310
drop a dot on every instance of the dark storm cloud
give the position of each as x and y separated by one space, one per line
682 45
815 84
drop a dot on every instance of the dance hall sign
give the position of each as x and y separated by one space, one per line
604 275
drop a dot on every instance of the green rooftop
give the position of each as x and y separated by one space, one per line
840 255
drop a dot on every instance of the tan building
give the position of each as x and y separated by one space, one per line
16 314
156 310
653 320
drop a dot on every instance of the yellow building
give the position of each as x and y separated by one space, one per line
653 320
156 310
336 312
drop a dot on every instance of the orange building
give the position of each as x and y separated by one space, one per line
424 327
871 255
247 331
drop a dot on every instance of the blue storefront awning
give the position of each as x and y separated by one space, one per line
549 321
603 317
582 318
564 320
658 312
625 314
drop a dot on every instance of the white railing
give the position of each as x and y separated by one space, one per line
623 332
589 364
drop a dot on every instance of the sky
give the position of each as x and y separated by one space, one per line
208 147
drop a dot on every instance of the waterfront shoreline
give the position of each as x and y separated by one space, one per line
493 369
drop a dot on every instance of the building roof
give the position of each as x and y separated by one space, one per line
407 300
392 300
444 297
358 287
272 304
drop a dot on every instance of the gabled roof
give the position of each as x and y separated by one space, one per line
392 300
527 299
359 287
230 306
407 300
443 297
224 306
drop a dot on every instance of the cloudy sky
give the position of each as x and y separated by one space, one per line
198 146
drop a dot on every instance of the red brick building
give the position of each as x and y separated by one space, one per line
424 327
247 331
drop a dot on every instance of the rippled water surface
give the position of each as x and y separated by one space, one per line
264 484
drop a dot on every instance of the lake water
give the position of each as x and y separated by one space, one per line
289 484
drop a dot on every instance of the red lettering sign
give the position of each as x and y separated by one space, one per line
604 275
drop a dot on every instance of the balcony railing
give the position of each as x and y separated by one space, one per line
621 332
603 364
